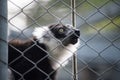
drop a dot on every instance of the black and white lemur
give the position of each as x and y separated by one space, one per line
40 57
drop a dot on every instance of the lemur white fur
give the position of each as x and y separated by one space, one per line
59 54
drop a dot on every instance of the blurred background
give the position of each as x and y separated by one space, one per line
98 20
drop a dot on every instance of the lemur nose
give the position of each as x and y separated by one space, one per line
77 33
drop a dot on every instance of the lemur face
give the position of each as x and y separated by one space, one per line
65 33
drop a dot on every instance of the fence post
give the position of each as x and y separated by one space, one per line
75 77
3 40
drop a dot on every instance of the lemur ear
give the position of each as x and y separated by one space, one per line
40 31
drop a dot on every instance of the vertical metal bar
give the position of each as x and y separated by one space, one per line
73 17
3 41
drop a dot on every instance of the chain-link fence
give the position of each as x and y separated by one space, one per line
98 56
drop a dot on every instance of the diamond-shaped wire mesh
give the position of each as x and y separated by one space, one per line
99 22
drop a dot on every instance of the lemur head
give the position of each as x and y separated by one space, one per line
65 33
62 34
60 40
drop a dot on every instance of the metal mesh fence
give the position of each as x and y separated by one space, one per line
98 56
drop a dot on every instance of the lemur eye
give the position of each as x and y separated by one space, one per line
61 30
